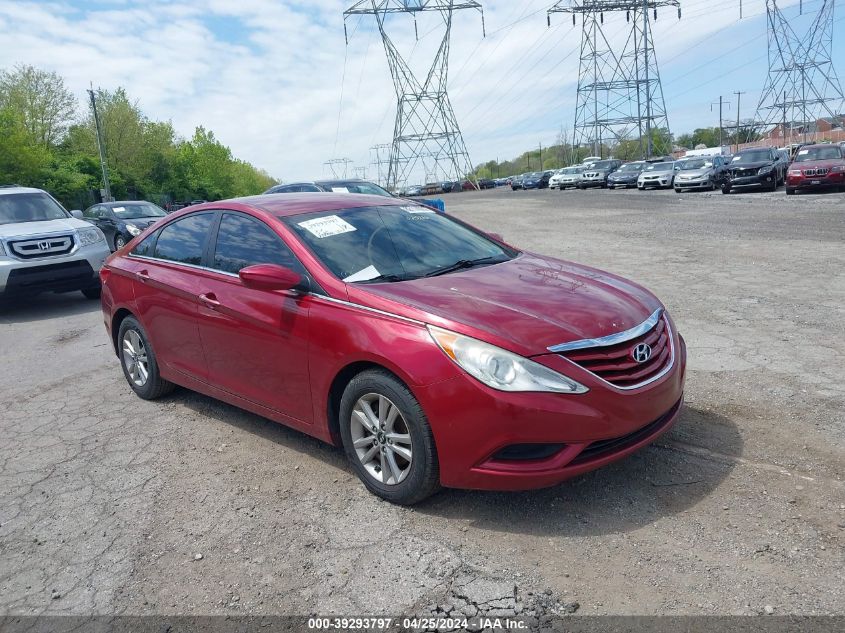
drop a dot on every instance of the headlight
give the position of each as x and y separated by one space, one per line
500 369
838 169
133 230
90 236
765 170
794 172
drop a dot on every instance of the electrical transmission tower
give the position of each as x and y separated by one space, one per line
802 85
338 166
619 90
360 172
426 133
381 161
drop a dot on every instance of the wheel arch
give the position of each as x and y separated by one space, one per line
338 385
116 320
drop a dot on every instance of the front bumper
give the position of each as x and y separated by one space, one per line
77 271
472 424
658 183
816 182
702 183
613 184
753 181
592 182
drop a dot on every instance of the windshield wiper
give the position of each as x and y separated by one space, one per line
389 278
462 264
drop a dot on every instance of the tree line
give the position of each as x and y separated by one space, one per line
48 141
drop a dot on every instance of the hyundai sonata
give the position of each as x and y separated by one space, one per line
433 353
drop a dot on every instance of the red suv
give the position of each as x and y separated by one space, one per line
816 167
435 354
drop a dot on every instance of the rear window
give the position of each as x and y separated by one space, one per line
29 207
184 240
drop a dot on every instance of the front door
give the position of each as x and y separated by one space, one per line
255 341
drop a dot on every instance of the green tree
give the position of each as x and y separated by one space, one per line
22 160
45 105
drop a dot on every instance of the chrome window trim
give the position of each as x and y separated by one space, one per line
645 383
612 339
170 261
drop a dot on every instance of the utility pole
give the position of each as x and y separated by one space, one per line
738 98
541 157
101 146
784 122
722 103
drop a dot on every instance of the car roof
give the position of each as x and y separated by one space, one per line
116 203
10 189
307 202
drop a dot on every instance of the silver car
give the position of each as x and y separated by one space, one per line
707 172
43 248
569 177
657 176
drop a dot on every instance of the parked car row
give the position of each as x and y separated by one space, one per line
820 166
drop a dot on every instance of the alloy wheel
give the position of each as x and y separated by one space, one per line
381 439
135 358
119 242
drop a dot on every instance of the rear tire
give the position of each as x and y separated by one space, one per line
139 363
726 189
381 424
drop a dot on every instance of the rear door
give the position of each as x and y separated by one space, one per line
165 267
255 341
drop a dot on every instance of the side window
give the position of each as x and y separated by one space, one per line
145 246
183 241
244 241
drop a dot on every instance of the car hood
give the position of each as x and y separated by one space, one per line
696 173
657 172
817 164
625 175
22 229
141 223
527 304
755 165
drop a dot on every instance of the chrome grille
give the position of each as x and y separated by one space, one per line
822 171
39 247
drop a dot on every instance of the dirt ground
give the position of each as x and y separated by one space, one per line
113 505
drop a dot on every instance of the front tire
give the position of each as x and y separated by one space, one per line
119 241
726 189
139 363
92 293
387 438
790 191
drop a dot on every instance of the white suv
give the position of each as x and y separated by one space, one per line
43 248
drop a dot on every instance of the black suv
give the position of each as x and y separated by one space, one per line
757 167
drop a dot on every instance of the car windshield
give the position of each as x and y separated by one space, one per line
632 167
533 175
760 156
660 167
357 187
393 243
29 207
135 210
689 165
603 164
829 152
572 170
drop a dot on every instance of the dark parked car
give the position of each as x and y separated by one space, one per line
486 183
763 167
121 221
433 353
596 175
626 176
516 181
537 179
817 167
336 186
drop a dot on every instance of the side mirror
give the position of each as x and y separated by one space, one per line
77 214
270 277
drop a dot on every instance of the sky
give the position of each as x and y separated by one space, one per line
277 83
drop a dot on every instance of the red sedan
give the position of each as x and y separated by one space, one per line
816 167
434 353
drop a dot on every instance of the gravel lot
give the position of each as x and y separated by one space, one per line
113 505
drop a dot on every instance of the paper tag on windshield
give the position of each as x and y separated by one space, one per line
370 272
119 209
418 209
340 190
327 226
803 152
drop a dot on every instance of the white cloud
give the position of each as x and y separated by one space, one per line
266 75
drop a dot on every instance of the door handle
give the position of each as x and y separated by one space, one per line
209 300
143 275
